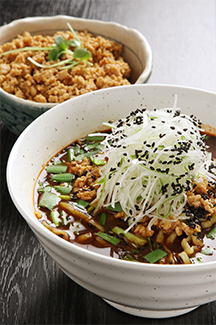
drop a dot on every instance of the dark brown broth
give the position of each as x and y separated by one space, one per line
123 248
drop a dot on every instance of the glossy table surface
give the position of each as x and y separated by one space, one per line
182 36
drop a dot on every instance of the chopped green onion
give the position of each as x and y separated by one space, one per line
48 200
155 255
128 257
137 240
65 197
91 208
82 151
64 177
211 234
70 154
56 169
93 145
42 189
94 138
121 162
100 147
98 162
63 189
87 154
103 219
54 217
207 251
82 203
197 260
113 240
76 150
139 198
117 207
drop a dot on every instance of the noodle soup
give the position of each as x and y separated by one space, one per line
142 191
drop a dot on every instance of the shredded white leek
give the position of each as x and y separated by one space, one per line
153 155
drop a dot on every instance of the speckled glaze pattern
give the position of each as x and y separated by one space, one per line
148 290
18 113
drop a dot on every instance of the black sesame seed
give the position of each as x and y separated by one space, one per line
191 167
137 207
205 196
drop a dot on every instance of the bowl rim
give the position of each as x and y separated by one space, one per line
145 75
68 246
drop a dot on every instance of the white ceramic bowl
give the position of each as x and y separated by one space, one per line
17 113
141 289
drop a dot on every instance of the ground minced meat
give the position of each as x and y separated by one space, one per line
87 174
201 196
20 77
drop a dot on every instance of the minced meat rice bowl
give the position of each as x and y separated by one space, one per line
20 77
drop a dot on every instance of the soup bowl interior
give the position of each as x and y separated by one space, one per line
17 113
141 289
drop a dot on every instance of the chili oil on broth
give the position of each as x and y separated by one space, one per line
83 233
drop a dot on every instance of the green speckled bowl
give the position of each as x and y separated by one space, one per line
145 290
17 113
